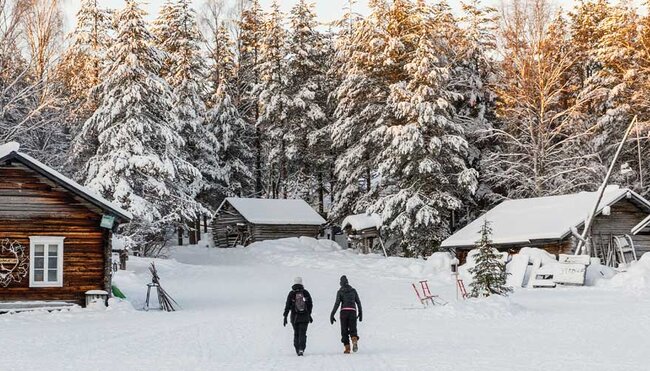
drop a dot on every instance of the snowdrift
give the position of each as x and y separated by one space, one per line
635 278
326 254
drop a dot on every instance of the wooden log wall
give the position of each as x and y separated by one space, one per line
224 226
261 232
31 205
624 215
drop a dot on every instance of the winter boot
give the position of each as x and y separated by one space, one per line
355 345
347 349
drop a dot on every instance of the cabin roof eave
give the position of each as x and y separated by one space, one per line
122 216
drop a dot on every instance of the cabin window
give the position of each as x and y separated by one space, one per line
46 257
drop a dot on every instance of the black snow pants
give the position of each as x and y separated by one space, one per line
300 335
348 325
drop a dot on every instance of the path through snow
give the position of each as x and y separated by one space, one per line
232 320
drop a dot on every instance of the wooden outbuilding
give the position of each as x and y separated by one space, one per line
362 231
552 223
242 221
55 235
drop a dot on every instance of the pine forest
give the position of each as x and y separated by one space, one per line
420 112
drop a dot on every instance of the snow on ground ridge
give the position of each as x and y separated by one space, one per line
232 300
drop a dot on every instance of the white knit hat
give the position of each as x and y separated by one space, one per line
297 281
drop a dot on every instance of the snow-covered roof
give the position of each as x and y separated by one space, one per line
543 218
7 148
274 211
11 151
362 221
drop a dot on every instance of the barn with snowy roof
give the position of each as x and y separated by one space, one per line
55 235
549 223
242 221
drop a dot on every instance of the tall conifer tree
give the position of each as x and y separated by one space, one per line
307 152
251 32
138 162
274 101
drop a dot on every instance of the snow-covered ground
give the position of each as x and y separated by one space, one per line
232 319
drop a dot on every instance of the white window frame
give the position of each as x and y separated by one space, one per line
46 240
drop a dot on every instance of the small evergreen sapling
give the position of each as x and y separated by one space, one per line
489 273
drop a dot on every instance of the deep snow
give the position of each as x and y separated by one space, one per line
233 299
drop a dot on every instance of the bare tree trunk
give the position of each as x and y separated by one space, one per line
321 193
43 30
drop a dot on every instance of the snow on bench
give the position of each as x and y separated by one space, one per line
29 306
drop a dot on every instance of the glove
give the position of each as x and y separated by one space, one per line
285 321
360 317
332 320
311 320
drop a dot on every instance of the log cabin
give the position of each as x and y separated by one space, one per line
242 221
55 235
362 231
547 223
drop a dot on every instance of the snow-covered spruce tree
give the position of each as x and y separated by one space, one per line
489 274
251 32
473 73
422 162
84 60
138 162
274 102
229 167
80 74
222 49
231 170
179 38
361 99
164 27
339 51
320 140
619 90
307 153
397 124
586 32
585 83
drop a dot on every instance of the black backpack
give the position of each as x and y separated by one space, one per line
300 302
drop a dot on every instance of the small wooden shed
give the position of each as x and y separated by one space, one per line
363 231
547 223
55 235
242 221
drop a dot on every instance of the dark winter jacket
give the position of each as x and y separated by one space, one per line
347 298
290 307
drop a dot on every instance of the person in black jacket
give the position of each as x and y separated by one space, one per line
348 299
299 303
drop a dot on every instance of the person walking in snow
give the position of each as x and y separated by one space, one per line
299 304
348 299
